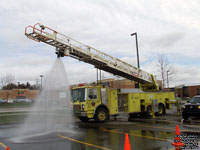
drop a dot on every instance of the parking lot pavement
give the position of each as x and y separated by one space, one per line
20 109
155 133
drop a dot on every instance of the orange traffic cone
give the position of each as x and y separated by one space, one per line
177 140
8 148
177 130
127 145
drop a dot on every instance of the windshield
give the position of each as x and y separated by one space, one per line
78 95
195 100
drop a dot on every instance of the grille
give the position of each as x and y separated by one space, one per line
77 108
192 108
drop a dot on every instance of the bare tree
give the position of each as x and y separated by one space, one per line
7 82
7 79
165 68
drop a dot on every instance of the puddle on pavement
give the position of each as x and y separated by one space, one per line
191 121
111 138
151 121
114 139
43 137
39 138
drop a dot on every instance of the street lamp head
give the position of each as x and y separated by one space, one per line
41 80
133 34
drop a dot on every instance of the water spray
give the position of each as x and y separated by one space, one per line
51 113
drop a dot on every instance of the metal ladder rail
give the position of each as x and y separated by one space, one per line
56 38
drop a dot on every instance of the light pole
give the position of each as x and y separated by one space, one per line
167 79
18 89
41 81
138 61
97 76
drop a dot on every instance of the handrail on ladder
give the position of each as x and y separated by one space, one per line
43 33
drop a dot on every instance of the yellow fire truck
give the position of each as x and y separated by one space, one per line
96 101
100 103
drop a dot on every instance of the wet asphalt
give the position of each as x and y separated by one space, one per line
144 134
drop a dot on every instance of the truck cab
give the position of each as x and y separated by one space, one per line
91 102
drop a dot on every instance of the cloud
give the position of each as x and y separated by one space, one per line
162 27
189 75
168 40
30 61
183 74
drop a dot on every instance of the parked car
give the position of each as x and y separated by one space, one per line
191 108
1 100
28 100
10 101
18 100
23 100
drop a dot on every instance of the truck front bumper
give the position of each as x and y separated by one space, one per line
197 113
80 114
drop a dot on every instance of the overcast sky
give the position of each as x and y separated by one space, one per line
167 27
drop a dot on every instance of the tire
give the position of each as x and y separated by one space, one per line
101 115
149 111
108 117
132 115
185 117
84 119
161 110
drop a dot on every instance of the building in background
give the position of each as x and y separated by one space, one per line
181 91
19 94
187 91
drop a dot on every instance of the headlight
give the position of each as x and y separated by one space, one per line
198 107
183 107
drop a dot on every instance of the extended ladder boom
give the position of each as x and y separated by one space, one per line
66 46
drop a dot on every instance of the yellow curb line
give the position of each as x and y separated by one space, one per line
141 136
175 122
65 137
137 135
4 146
167 128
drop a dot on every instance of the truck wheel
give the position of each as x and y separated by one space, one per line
84 119
185 117
101 115
149 111
131 116
161 110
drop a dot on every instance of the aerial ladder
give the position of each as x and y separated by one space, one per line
66 46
